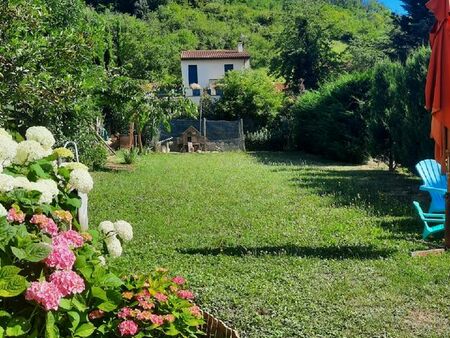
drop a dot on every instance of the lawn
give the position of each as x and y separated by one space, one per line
283 245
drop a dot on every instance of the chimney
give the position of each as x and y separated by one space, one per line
240 47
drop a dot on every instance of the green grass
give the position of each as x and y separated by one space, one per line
282 245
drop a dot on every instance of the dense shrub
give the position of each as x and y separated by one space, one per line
331 121
399 123
250 95
51 59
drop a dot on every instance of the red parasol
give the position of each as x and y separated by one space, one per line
437 91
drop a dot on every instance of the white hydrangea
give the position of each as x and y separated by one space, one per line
106 227
124 230
81 180
29 151
4 133
8 149
41 135
3 212
113 245
21 182
74 165
6 183
1 168
48 189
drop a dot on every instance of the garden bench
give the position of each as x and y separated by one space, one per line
434 182
433 223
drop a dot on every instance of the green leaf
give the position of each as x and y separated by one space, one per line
99 293
36 172
85 330
7 232
74 202
51 331
2 332
9 271
65 304
111 280
17 326
171 331
19 253
4 314
107 306
79 305
37 252
74 319
11 283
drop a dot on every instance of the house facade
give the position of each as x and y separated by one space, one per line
201 69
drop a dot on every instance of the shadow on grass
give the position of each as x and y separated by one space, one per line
381 193
294 158
326 252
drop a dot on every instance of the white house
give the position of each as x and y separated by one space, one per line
202 68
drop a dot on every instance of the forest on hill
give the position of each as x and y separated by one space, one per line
65 63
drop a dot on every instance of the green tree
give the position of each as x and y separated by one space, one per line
304 55
387 112
250 95
413 28
51 60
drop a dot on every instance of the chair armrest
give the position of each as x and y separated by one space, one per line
433 189
435 216
428 220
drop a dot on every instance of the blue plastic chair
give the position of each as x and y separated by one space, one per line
435 183
433 223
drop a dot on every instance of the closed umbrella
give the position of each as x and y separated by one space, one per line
437 91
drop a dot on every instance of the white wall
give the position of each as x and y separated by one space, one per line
210 70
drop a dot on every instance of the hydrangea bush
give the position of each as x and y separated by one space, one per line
55 280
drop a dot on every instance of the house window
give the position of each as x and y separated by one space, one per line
228 67
192 74
195 92
189 139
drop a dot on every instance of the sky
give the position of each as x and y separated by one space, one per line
395 5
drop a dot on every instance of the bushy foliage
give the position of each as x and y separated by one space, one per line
399 123
332 121
250 95
49 50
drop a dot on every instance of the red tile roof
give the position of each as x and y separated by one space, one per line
214 54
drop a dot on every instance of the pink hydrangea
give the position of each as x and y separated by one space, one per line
169 318
61 258
128 328
145 304
178 280
69 238
195 311
160 297
45 294
45 223
157 320
124 313
67 282
15 216
185 294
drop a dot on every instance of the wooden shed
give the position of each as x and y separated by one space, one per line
191 140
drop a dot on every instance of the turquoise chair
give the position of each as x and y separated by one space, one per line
434 182
433 223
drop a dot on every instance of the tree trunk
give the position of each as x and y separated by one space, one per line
141 145
131 135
